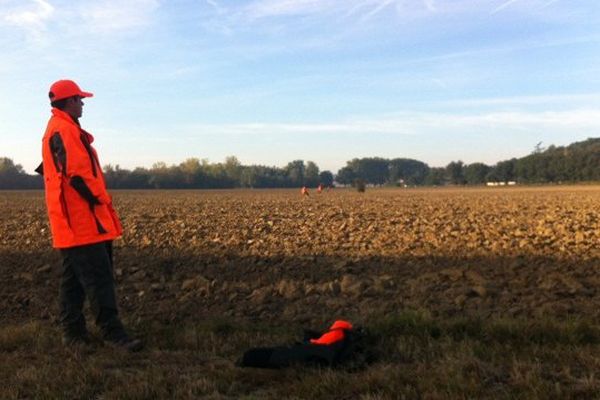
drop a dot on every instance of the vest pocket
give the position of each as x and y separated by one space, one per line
64 208
58 211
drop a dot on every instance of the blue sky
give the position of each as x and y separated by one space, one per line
271 81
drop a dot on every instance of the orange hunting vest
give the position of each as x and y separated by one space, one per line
75 221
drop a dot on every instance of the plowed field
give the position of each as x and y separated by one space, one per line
273 259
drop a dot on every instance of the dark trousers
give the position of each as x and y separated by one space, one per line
88 272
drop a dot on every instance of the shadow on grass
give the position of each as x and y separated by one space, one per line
417 355
150 284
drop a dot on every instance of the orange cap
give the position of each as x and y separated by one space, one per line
335 334
66 88
341 324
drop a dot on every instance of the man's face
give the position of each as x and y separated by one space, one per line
75 107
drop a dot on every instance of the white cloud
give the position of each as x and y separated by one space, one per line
47 23
279 16
270 8
419 123
110 16
572 119
503 6
283 128
379 7
32 18
550 2
430 5
363 9
588 100
526 6
276 17
219 9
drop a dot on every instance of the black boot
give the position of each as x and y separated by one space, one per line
126 343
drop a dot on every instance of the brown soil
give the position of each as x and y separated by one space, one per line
277 257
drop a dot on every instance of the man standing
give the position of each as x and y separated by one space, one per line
82 220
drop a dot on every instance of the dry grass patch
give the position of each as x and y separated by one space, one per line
415 354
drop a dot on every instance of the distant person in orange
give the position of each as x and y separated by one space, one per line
83 221
304 192
320 188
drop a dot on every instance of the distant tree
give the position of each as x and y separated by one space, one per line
13 176
374 170
436 176
259 176
191 171
116 177
8 167
165 177
249 177
311 174
412 172
476 173
576 162
295 173
504 171
218 176
454 173
326 178
538 148
233 169
139 178
345 176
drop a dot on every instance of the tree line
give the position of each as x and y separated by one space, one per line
193 173
13 176
577 162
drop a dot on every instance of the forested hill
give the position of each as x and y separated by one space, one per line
578 162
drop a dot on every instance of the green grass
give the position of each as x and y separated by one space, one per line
417 357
